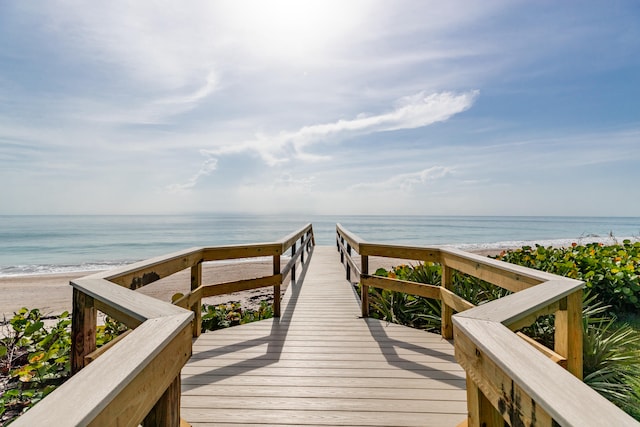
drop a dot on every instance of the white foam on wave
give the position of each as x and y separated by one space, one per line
46 269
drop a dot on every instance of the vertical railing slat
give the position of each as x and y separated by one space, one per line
364 290
196 282
293 267
446 327
276 288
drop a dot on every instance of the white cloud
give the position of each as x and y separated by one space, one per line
209 165
407 181
410 112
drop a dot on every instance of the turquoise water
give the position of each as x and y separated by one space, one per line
49 244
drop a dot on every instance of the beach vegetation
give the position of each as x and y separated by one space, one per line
611 352
612 272
231 314
420 312
611 358
35 357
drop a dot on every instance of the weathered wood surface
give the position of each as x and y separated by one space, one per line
322 364
524 383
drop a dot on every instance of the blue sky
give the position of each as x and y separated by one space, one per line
325 107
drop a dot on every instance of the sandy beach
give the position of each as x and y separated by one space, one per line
52 294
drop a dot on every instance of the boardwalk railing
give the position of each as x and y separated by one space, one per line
137 379
510 377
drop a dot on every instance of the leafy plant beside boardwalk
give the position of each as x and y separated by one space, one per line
611 273
231 314
35 358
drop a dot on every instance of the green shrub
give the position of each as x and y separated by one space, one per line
610 271
612 362
611 347
231 314
35 359
419 312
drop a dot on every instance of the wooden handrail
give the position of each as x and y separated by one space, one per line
508 379
122 386
137 379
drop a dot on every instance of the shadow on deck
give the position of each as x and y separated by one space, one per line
322 364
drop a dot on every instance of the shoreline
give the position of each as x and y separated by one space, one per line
52 294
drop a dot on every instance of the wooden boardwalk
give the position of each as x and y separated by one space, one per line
322 364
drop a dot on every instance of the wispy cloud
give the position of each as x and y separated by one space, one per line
209 165
407 181
409 112
195 96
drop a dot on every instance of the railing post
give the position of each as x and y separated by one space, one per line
166 411
349 265
196 282
446 326
304 248
568 332
481 411
293 267
83 329
276 288
364 290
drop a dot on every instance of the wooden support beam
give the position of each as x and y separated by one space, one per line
196 307
349 264
364 289
166 411
555 357
240 285
455 302
83 329
293 266
568 332
276 287
481 411
100 351
446 324
413 288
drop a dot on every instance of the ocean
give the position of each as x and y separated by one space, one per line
56 244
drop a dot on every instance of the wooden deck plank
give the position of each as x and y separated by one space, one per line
321 364
333 391
269 403
202 417
192 382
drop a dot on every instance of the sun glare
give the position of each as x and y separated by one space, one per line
292 29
